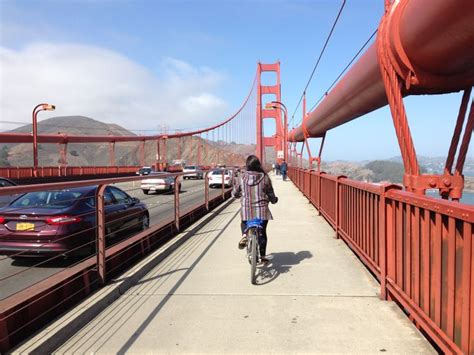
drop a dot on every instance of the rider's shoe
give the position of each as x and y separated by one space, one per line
243 242
264 260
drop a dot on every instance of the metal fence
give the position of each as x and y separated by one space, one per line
29 308
418 247
19 173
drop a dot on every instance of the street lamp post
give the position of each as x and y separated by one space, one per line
280 105
38 108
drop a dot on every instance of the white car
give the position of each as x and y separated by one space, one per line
193 172
155 182
215 178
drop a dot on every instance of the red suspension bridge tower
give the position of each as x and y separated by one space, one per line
276 140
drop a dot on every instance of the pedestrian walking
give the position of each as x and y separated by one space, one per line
284 169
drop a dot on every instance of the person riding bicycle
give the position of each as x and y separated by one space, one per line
256 190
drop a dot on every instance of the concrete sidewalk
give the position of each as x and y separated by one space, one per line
314 297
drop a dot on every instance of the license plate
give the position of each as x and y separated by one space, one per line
25 226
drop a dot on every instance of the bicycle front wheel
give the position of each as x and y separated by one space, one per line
254 257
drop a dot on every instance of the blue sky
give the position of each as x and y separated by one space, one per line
190 63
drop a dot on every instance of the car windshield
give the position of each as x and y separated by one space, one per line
47 199
190 167
219 172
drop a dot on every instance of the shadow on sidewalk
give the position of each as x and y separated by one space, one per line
281 263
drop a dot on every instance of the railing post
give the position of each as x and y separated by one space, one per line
232 180
383 236
303 181
100 217
320 174
4 336
206 190
338 204
466 286
222 186
176 202
309 185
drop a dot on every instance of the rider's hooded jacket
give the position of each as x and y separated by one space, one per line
256 191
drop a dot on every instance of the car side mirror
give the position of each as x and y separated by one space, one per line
134 200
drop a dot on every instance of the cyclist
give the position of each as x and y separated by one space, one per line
256 190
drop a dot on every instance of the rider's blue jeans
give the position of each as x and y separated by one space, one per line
262 241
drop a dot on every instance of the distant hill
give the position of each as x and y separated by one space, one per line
75 125
98 154
435 165
386 170
391 170
352 170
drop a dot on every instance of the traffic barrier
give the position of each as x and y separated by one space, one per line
24 312
20 173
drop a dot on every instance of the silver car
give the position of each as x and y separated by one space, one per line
193 172
155 182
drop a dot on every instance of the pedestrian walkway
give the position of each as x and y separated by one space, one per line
314 296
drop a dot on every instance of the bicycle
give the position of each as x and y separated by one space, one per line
253 230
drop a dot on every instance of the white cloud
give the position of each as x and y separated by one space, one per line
203 101
104 85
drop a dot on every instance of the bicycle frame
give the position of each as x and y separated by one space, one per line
253 251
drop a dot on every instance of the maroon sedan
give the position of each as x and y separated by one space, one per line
64 221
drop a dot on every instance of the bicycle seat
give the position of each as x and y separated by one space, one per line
257 223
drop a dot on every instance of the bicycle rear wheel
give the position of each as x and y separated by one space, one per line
254 256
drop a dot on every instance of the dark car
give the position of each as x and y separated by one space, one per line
6 199
64 221
146 170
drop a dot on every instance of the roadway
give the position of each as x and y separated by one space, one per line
161 207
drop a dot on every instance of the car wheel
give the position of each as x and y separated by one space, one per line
145 192
17 257
145 222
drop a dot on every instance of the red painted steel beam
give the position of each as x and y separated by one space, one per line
430 44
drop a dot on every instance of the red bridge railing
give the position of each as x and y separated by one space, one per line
418 247
30 308
19 173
